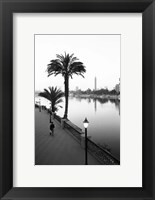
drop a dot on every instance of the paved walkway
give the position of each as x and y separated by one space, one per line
60 149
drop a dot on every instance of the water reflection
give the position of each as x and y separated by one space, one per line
104 118
89 100
95 104
117 104
101 101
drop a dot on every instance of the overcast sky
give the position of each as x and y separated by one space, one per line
99 53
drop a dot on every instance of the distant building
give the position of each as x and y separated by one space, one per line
76 89
117 87
95 84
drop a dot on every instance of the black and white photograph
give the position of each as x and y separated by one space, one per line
77 99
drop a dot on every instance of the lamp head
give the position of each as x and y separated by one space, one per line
85 123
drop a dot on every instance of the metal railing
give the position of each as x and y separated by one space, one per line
57 117
76 131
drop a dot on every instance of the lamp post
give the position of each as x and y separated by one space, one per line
50 111
86 123
53 115
39 105
50 116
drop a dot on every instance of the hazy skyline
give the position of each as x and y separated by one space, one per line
99 53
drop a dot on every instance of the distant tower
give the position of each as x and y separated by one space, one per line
95 83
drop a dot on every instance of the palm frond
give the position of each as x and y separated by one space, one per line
77 68
65 64
54 95
59 101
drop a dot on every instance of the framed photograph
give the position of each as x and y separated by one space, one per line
77 99
56 103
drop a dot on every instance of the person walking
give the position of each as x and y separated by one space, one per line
52 126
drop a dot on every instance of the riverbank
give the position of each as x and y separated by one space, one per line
99 152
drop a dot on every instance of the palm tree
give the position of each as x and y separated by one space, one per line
67 66
54 95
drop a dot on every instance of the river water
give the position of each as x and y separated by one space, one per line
103 116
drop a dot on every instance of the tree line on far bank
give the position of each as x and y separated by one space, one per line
96 92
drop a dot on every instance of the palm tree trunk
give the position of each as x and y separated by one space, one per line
52 107
66 84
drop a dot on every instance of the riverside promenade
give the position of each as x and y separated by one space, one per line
60 149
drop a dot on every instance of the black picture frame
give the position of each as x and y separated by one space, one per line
7 8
